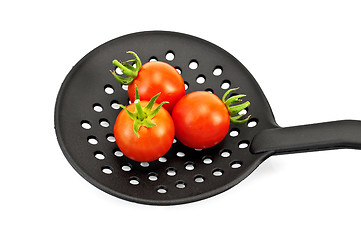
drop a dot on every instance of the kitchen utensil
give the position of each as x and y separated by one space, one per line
88 104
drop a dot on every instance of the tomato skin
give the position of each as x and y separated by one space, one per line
155 77
201 120
152 143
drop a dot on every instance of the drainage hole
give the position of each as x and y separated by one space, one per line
171 172
92 140
234 132
144 164
201 79
99 155
118 153
180 185
186 86
170 56
179 70
243 112
97 107
181 154
115 105
199 179
152 176
217 172
153 59
225 84
236 164
226 153
189 166
207 160
126 168
217 71
104 123
252 123
134 180
110 138
162 189
118 71
243 144
85 124
108 89
193 64
107 170
209 90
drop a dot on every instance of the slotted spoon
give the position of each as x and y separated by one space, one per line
87 106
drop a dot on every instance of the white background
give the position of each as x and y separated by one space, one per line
306 56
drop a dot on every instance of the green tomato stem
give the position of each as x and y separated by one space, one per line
127 69
143 116
235 109
155 111
140 113
235 119
238 108
151 102
234 99
138 63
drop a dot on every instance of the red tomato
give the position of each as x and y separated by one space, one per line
152 143
201 120
151 79
155 77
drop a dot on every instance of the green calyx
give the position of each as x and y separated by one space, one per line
143 116
235 109
127 69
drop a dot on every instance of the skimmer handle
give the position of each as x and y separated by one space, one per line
313 137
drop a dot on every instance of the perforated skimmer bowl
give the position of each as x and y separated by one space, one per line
87 106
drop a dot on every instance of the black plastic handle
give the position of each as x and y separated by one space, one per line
313 137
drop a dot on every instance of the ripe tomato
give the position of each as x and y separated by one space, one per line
155 77
152 78
151 142
202 120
